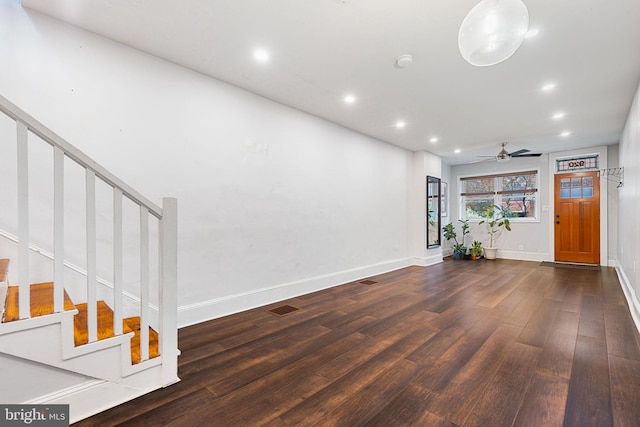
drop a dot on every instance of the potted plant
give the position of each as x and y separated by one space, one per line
465 231
450 234
496 219
476 250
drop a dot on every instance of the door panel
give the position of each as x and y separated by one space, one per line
577 217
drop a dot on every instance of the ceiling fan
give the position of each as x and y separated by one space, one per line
505 156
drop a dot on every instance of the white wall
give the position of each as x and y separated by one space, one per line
628 207
272 202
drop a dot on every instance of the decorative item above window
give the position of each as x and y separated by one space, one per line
492 31
588 162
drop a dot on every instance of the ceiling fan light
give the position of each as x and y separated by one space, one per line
492 31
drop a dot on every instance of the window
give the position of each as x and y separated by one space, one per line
516 192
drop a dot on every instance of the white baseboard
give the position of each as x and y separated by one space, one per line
523 256
425 261
629 293
192 314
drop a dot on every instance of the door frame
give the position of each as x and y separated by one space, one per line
601 151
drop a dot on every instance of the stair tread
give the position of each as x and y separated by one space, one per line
41 301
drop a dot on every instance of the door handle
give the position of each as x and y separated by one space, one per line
557 216
557 222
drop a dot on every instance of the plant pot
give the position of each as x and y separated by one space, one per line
459 254
490 253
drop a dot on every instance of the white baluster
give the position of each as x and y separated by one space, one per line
23 221
92 311
118 277
144 283
58 229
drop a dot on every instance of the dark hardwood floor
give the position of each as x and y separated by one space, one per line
462 343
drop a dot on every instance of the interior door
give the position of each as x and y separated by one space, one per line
577 217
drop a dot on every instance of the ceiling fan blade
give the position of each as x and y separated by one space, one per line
527 155
519 152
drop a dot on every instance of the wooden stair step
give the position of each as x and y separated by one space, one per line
105 329
41 301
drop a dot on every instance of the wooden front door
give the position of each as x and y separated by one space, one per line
577 217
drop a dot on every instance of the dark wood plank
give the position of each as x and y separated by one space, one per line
625 391
439 374
537 329
456 401
558 351
369 400
621 335
544 403
592 317
407 408
501 399
589 399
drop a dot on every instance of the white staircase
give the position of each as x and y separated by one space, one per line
39 360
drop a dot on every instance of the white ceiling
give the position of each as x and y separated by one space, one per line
321 50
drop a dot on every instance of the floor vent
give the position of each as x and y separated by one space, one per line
368 282
281 311
570 265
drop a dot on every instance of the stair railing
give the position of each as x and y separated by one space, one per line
167 218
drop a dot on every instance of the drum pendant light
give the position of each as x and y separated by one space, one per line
492 31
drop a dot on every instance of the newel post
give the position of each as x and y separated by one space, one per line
169 291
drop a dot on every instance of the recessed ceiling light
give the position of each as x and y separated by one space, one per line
400 124
434 140
558 116
261 55
457 150
531 33
565 133
349 99
548 87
